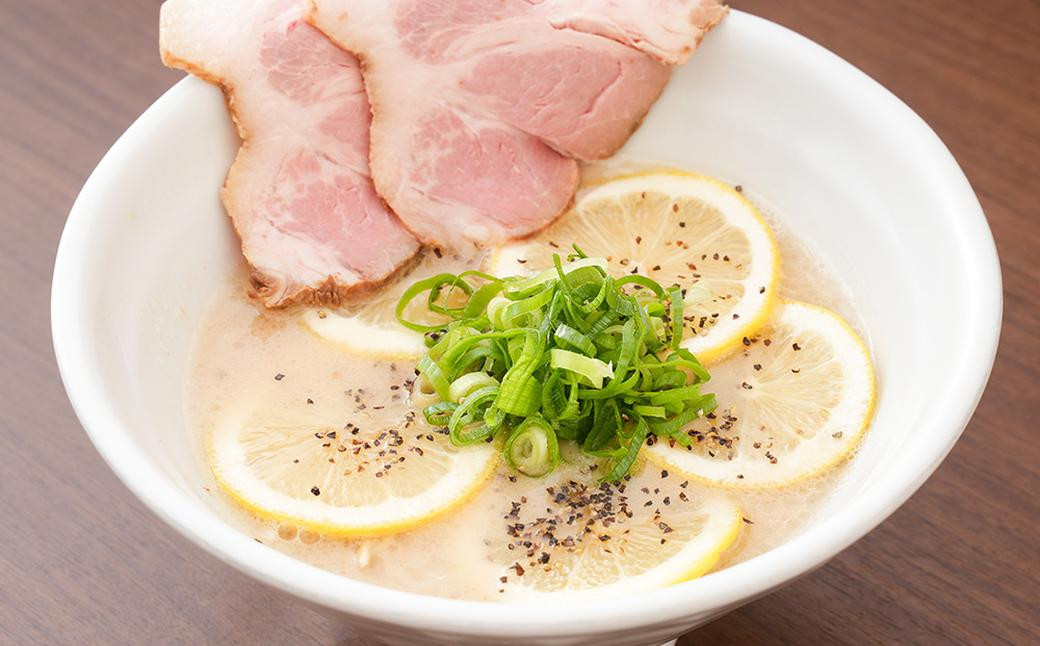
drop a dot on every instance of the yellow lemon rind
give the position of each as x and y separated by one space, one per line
658 457
681 567
718 351
366 340
357 531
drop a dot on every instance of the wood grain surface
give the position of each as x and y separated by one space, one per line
83 562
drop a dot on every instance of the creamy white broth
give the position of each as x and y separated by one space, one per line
241 349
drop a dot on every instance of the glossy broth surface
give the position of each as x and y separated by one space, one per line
241 349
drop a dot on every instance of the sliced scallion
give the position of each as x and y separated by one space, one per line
532 448
568 354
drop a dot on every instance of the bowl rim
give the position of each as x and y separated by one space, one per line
804 552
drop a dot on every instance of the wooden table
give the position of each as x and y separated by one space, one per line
82 561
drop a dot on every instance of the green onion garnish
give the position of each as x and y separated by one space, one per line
532 448
569 354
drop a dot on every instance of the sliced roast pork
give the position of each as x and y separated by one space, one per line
668 30
299 192
481 106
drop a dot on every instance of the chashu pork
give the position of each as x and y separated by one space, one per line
299 193
480 107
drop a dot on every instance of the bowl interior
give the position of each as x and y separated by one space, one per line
846 166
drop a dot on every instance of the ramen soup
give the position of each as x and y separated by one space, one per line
325 442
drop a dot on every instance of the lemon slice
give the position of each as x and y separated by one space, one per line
366 331
370 328
676 228
578 541
362 478
794 403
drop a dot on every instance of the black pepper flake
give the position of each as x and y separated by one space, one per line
664 473
315 490
437 252
746 341
796 347
757 366
747 520
310 401
279 377
738 188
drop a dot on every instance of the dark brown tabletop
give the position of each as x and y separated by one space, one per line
82 561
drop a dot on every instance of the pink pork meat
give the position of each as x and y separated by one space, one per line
481 107
299 193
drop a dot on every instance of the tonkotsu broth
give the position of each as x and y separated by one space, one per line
241 348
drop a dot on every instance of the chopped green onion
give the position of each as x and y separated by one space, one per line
467 424
575 339
676 314
532 448
650 411
467 383
593 370
568 354
606 425
434 377
438 414
432 285
631 446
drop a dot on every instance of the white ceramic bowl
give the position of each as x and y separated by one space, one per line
851 169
